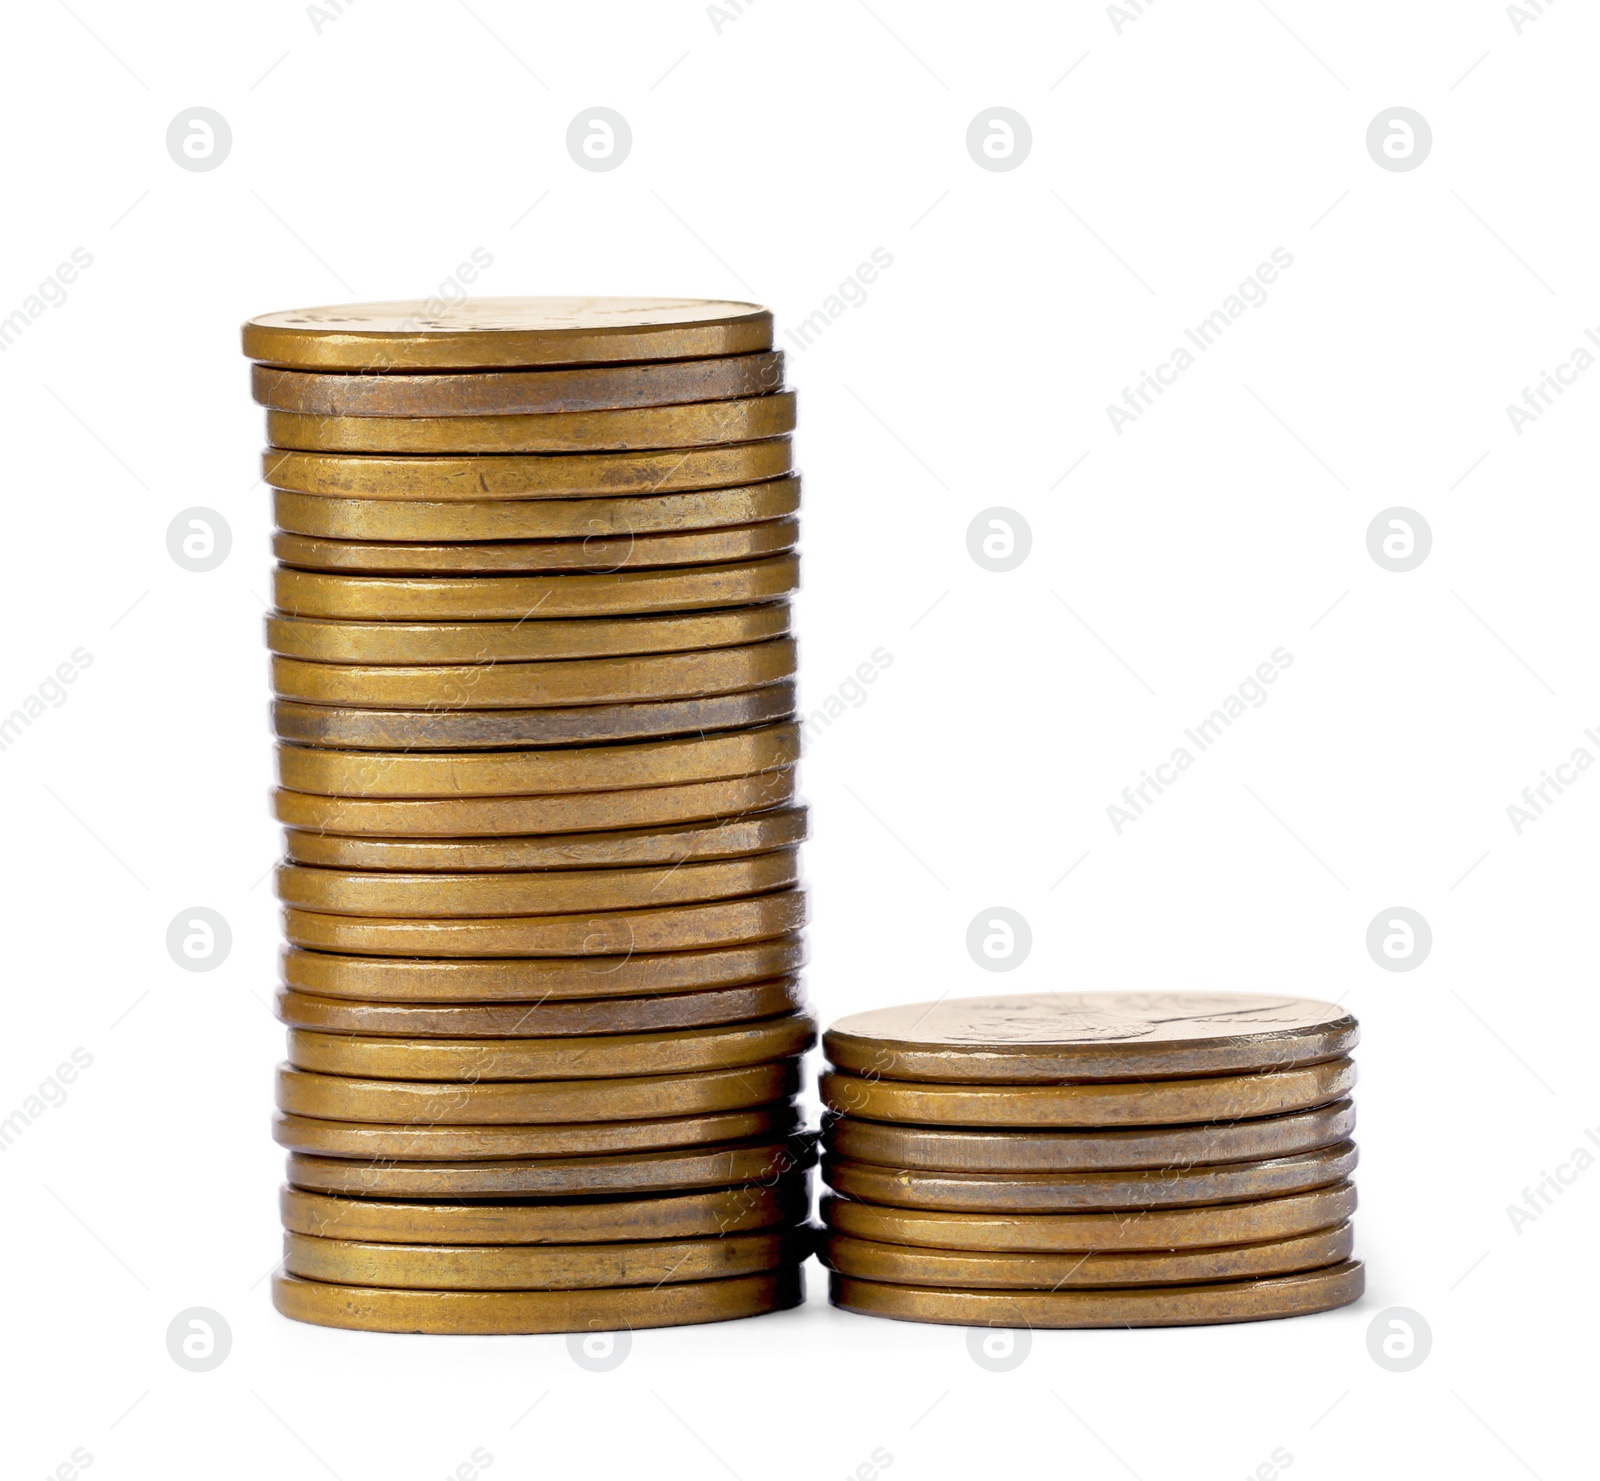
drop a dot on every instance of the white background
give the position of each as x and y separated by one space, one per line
368 160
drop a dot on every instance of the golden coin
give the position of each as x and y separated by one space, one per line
487 1313
531 1102
477 816
596 553
540 892
1062 1192
508 1020
513 392
328 641
525 475
1056 1037
866 1259
493 685
375 1142
942 1150
1108 1103
480 774
726 838
1133 1306
490 333
602 1056
602 934
535 1267
594 1221
538 980
699 424
1146 1229
591 519
465 730
518 598
679 1171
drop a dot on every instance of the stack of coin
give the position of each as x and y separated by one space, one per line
534 696
1091 1160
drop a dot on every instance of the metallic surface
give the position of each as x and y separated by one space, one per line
520 598
602 934
324 640
1056 1037
937 1149
525 475
558 725
726 838
670 1216
480 774
1108 1103
319 1137
540 892
636 807
511 392
547 1267
698 424
558 682
537 980
664 1011
596 519
1144 1229
1060 1192
868 1260
486 333
531 1102
763 1163
1137 1306
487 557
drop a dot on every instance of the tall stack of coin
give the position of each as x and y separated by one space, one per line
1091 1160
534 698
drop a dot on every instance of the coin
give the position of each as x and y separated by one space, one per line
330 641
940 1150
597 519
760 1163
535 1267
1135 1306
508 1020
726 838
538 980
540 892
1031 1270
1056 1037
601 1056
1066 1191
511 685
511 392
377 1142
451 1313
478 816
593 553
673 1216
489 333
698 424
531 1102
518 598
455 730
482 774
602 934
1113 1103
525 475
1146 1229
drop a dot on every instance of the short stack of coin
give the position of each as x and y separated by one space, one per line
1091 1160
534 697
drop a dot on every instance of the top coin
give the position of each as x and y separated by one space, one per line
1055 1037
494 333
